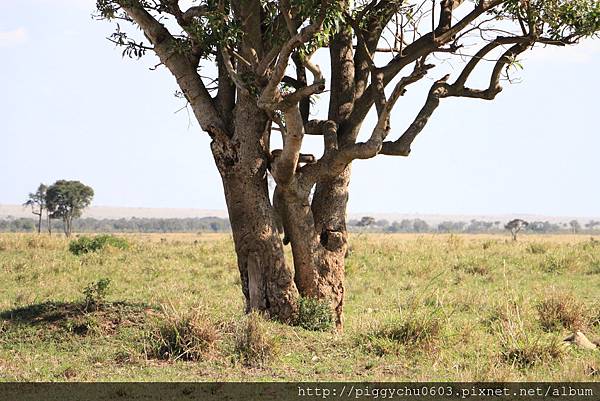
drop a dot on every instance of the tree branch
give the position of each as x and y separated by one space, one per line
440 89
180 66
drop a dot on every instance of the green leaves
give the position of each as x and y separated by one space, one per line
571 18
561 20
68 198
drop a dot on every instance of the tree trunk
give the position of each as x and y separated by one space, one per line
329 211
40 221
66 226
267 282
317 232
318 237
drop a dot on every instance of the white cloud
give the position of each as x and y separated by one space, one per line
580 53
13 38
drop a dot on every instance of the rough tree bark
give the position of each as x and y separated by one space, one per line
267 282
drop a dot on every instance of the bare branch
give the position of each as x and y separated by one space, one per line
440 89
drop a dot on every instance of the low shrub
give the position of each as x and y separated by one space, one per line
314 314
86 244
95 293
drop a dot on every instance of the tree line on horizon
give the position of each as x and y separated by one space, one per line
474 226
365 224
66 200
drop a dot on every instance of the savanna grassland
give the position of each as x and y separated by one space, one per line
426 307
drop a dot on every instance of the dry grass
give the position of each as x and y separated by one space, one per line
254 345
189 336
562 311
521 347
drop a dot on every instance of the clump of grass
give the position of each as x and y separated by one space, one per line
523 349
555 263
561 310
253 344
472 266
83 245
488 244
39 242
314 314
181 336
95 293
590 245
421 330
525 352
594 267
454 242
537 248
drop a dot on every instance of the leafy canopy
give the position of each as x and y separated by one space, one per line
67 199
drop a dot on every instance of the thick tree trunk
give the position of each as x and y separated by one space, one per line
318 239
329 212
267 282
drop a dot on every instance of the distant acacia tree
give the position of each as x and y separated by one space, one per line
66 200
264 82
575 226
37 201
515 226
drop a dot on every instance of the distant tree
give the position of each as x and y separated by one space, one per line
382 223
592 224
515 226
575 226
66 200
406 226
451 226
37 201
366 221
420 226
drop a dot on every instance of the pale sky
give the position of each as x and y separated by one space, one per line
72 108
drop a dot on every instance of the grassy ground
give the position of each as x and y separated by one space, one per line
427 307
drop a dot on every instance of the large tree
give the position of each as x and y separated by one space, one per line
263 49
66 200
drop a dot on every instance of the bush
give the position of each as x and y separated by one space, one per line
85 244
253 344
188 337
314 314
95 293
